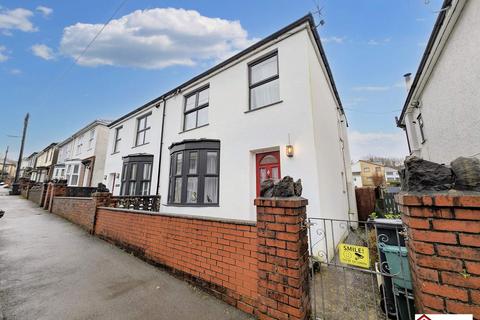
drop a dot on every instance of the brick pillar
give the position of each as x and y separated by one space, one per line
100 199
444 251
283 285
58 189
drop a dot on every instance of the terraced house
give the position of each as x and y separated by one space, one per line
45 161
81 157
205 146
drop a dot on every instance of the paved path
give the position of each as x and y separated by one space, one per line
52 269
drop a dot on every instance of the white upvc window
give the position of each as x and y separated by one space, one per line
91 139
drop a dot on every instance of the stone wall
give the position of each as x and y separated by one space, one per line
444 250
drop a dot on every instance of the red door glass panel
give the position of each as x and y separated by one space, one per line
268 167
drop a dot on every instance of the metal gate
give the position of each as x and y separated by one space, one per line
359 270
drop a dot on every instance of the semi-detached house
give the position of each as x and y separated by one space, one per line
270 111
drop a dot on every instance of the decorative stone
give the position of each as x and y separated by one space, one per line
266 188
284 188
423 175
297 187
467 173
102 188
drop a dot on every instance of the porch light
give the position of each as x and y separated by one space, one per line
289 150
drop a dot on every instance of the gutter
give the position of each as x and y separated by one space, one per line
426 55
161 146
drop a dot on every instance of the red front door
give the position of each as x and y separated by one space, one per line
268 167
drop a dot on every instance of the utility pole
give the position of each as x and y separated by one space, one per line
15 186
4 163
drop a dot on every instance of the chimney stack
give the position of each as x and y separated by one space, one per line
408 81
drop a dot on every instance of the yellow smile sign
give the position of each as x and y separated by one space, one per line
354 255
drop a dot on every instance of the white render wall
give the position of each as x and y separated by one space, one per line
114 161
68 151
306 99
450 100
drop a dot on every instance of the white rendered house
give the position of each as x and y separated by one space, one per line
81 157
441 115
206 145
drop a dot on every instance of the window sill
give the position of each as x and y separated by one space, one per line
205 125
140 145
191 205
114 153
263 107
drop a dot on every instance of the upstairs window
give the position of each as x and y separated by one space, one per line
420 126
92 137
264 82
118 138
80 144
196 109
194 173
143 130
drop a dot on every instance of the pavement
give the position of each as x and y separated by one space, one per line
52 269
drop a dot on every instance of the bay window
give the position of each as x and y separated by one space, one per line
136 175
264 81
194 173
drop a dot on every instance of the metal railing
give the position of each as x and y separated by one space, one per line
380 289
145 203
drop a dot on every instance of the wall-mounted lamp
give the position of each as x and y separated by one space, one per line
289 150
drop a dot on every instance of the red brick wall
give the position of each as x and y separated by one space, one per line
444 251
283 259
80 211
220 256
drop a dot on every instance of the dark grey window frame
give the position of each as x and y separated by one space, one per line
196 108
117 139
202 147
140 130
421 125
139 161
264 81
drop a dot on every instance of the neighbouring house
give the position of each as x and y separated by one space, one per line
81 157
441 114
7 173
391 176
45 161
27 165
270 111
368 174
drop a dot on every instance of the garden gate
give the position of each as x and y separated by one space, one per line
359 270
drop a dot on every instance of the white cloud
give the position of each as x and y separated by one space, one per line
155 38
373 42
16 19
338 40
372 88
420 19
45 11
3 55
363 144
16 72
43 51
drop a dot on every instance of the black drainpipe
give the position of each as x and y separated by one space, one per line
161 145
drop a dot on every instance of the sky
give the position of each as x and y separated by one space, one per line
48 68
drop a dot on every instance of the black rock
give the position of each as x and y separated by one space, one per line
284 188
266 188
297 187
102 188
467 173
423 175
